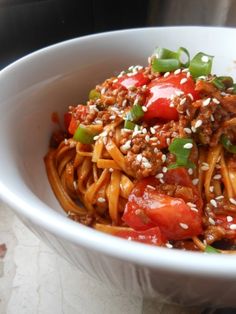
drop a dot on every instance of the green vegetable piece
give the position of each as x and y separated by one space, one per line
129 125
166 60
181 148
183 51
211 249
84 135
165 65
200 65
225 141
226 80
218 84
135 113
94 94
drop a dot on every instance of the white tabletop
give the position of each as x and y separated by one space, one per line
34 279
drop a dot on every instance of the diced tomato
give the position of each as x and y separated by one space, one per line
146 208
127 81
78 115
150 236
180 176
173 216
160 92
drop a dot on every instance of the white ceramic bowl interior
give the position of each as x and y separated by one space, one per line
48 81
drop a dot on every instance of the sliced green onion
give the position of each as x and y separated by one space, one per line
165 65
223 82
179 147
226 80
166 60
218 84
94 94
84 135
164 53
129 125
182 51
225 141
135 113
211 249
200 65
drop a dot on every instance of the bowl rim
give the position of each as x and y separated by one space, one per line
176 261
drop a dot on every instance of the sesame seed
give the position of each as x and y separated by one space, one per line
124 102
204 58
171 105
194 209
144 131
166 74
139 157
151 187
66 141
161 180
188 130
212 118
188 74
147 138
206 102
213 202
101 200
217 177
188 146
195 181
170 246
190 171
183 80
126 146
115 80
164 169
183 226
152 130
177 71
144 108
147 164
204 167
75 185
211 221
193 129
156 150
185 70
187 112
111 169
232 200
198 124
96 137
182 101
211 189
190 96
163 157
159 175
191 204
229 218
154 138
168 141
219 197
232 227
216 101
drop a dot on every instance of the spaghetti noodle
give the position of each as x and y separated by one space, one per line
151 156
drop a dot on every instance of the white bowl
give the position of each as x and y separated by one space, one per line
51 79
